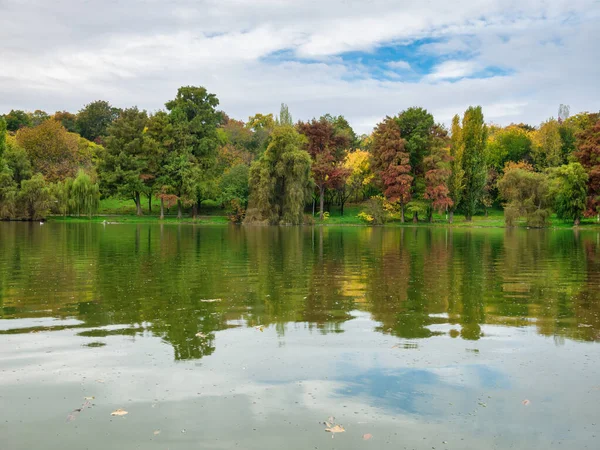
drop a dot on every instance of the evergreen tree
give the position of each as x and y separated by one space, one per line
473 140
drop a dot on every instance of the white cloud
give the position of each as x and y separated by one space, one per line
141 51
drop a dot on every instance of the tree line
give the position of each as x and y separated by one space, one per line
273 170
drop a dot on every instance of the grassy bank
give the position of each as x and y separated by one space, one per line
123 211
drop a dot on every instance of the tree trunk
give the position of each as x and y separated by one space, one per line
342 201
415 217
468 218
577 221
179 212
486 212
194 211
430 216
402 213
162 208
149 203
138 204
321 200
199 206
451 216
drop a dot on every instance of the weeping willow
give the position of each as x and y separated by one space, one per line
280 182
84 195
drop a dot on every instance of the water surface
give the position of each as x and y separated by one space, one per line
422 338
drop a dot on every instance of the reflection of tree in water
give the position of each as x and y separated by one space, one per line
413 281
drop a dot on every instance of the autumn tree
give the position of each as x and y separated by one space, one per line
588 154
328 150
473 137
391 163
456 178
358 164
125 161
280 182
547 145
38 117
94 119
569 191
52 150
2 136
438 169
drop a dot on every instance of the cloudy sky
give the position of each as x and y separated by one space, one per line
364 59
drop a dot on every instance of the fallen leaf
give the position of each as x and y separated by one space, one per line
119 412
367 436
156 432
100 381
526 402
89 398
201 335
335 429
260 327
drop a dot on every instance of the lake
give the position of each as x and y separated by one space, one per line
251 338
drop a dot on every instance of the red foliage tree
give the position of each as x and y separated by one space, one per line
327 149
391 162
588 154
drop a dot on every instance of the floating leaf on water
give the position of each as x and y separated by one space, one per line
260 327
119 412
210 300
201 335
367 436
70 417
526 402
156 432
335 429
89 398
396 346
100 381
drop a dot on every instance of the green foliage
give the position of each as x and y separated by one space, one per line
17 161
512 143
8 192
38 117
280 183
17 119
416 126
2 136
285 117
67 120
234 185
125 160
94 119
569 191
527 195
547 150
34 198
473 139
84 195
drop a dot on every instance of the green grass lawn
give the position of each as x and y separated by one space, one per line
123 211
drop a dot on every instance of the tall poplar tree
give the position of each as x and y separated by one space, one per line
473 137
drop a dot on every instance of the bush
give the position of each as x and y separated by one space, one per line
376 211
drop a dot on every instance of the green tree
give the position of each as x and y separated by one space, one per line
84 195
569 191
17 119
285 117
195 121
38 117
34 198
8 192
2 136
456 179
67 120
280 181
17 161
60 192
125 160
473 137
526 194
511 143
94 119
233 185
